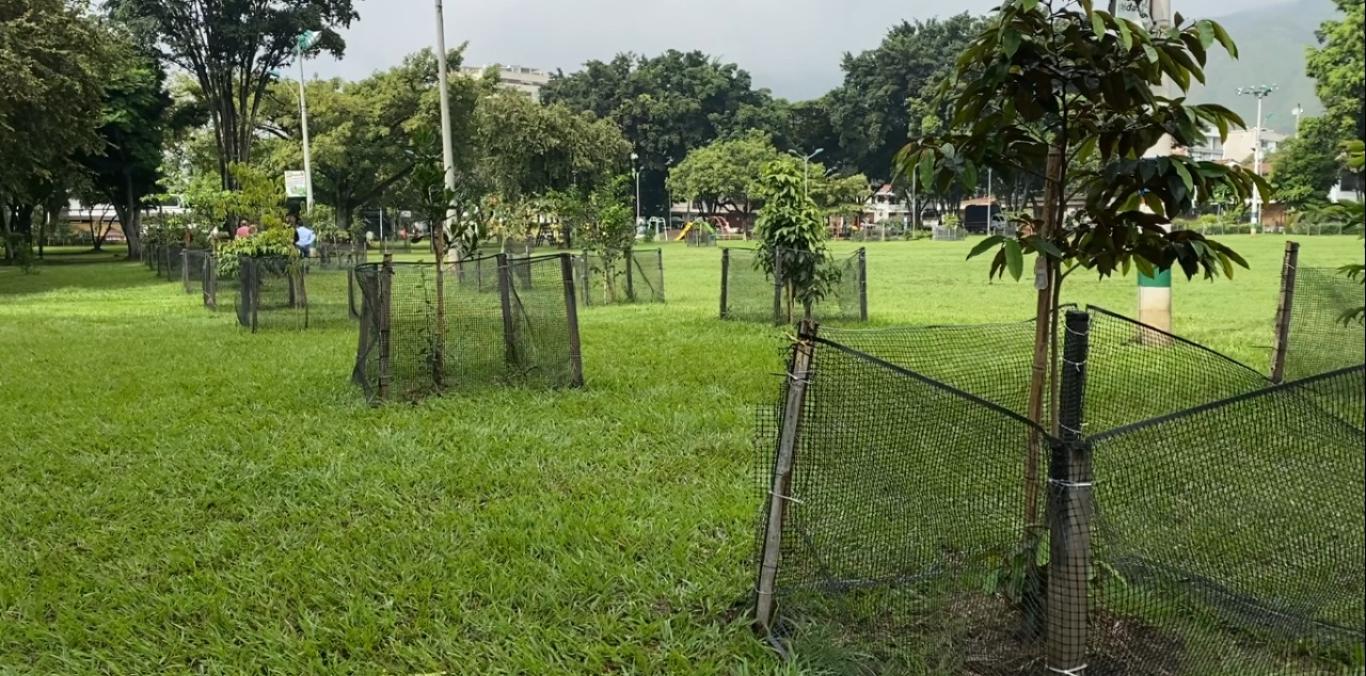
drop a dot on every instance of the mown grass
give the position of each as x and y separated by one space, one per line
178 495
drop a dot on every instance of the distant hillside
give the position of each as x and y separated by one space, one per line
1271 44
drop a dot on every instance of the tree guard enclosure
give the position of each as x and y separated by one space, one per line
796 284
503 321
289 293
1197 518
636 276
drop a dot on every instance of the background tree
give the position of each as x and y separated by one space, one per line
53 58
1305 167
234 48
1338 66
666 106
1049 85
724 175
873 108
126 169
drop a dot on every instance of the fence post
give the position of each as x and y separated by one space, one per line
209 290
302 275
386 284
659 259
777 285
780 494
1284 306
585 276
351 311
185 270
725 279
863 284
630 276
509 319
571 314
1070 496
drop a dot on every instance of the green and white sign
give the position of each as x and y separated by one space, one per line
296 185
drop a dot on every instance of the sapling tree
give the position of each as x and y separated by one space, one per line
1077 97
791 231
603 224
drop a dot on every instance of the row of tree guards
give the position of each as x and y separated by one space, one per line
782 285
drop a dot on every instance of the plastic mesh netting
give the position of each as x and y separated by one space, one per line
786 285
284 293
196 264
1191 518
634 277
502 321
1319 339
338 256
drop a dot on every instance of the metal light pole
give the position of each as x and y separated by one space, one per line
806 167
668 199
305 42
1260 92
443 82
989 200
1297 112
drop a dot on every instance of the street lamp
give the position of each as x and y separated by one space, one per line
305 43
668 200
806 167
1297 112
1260 92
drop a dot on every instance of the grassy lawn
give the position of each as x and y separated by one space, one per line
179 495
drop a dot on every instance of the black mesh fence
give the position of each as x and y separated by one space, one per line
485 321
338 255
195 266
287 293
170 262
786 285
700 237
1189 517
636 276
1319 338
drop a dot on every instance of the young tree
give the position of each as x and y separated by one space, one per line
1051 85
603 224
234 48
791 231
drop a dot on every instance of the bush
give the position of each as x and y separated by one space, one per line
269 242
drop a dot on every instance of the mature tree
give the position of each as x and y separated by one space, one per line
667 105
234 48
52 56
724 176
873 108
362 133
1305 167
1049 85
1338 66
126 169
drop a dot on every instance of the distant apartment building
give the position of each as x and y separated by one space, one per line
529 81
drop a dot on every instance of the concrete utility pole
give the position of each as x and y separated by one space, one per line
306 42
1260 92
1155 291
443 82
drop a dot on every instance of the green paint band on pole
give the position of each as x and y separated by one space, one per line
1161 280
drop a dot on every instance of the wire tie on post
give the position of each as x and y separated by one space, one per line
1075 333
788 498
1074 671
1072 484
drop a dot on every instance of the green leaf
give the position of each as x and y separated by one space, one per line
1098 24
926 168
1029 5
1151 53
1010 41
1225 39
1206 33
985 244
1145 268
1125 37
1185 175
1014 259
1047 248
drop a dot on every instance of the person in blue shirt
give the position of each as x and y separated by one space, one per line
304 237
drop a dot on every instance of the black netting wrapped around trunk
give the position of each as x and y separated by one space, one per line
1192 518
786 285
1319 339
504 320
636 276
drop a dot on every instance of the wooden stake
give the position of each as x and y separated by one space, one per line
1284 307
778 284
659 257
509 318
185 269
386 282
863 283
781 492
572 320
725 281
1069 515
630 276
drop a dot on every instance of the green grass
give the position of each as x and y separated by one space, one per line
179 495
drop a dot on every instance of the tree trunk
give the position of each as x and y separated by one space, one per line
131 218
1045 278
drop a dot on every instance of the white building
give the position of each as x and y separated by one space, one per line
529 81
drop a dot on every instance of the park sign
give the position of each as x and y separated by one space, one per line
296 185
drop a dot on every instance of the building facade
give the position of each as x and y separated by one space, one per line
529 81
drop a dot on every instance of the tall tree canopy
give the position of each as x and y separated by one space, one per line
53 60
668 105
1338 66
234 48
885 87
362 133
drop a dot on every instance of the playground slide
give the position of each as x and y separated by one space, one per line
683 234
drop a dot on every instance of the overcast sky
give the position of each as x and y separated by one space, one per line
792 47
